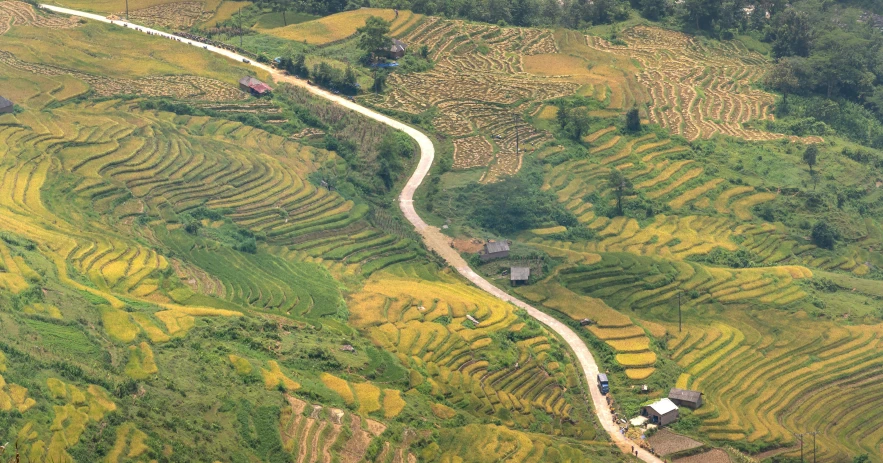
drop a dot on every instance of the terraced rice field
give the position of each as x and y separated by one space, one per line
481 96
23 14
183 87
698 87
709 212
309 433
758 386
112 155
613 327
425 324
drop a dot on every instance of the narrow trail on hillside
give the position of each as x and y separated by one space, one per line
433 238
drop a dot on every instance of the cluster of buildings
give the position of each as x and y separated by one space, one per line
665 411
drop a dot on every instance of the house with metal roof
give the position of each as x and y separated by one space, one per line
255 87
519 275
6 106
661 413
685 398
495 250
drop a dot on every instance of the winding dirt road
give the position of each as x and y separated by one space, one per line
433 238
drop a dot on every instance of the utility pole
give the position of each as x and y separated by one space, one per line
800 436
517 137
814 445
127 10
240 26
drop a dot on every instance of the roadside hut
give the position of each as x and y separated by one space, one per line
685 398
495 250
255 87
519 275
397 49
661 413
6 106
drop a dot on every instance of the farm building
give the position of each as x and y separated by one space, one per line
254 86
397 50
6 106
685 398
519 275
495 250
661 413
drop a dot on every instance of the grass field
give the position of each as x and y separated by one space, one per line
331 28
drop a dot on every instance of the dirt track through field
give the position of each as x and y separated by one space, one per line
433 238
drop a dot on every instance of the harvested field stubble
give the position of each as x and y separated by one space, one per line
476 90
674 65
14 13
180 15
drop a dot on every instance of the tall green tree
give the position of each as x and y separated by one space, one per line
633 120
793 34
782 77
811 156
621 186
374 36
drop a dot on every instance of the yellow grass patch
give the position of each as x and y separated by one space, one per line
99 402
340 386
639 359
639 344
443 411
225 11
555 64
688 196
141 362
119 325
330 28
147 324
393 403
274 378
639 373
368 396
43 309
127 436
549 113
57 388
549 231
242 366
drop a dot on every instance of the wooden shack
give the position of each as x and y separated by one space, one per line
519 275
685 398
6 106
495 250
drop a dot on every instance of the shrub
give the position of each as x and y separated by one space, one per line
824 235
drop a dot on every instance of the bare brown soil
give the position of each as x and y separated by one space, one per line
665 442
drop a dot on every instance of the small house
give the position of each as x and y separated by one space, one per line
347 348
661 413
6 106
397 49
685 398
255 87
495 250
519 275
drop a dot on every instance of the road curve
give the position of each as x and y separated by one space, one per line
433 238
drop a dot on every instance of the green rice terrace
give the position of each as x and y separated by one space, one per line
195 270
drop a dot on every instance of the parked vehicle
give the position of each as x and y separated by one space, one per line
603 385
245 60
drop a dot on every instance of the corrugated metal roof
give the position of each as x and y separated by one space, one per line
4 103
685 395
496 246
664 406
519 274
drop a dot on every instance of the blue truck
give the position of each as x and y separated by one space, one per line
603 385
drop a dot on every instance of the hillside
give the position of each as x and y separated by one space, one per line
182 286
191 273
